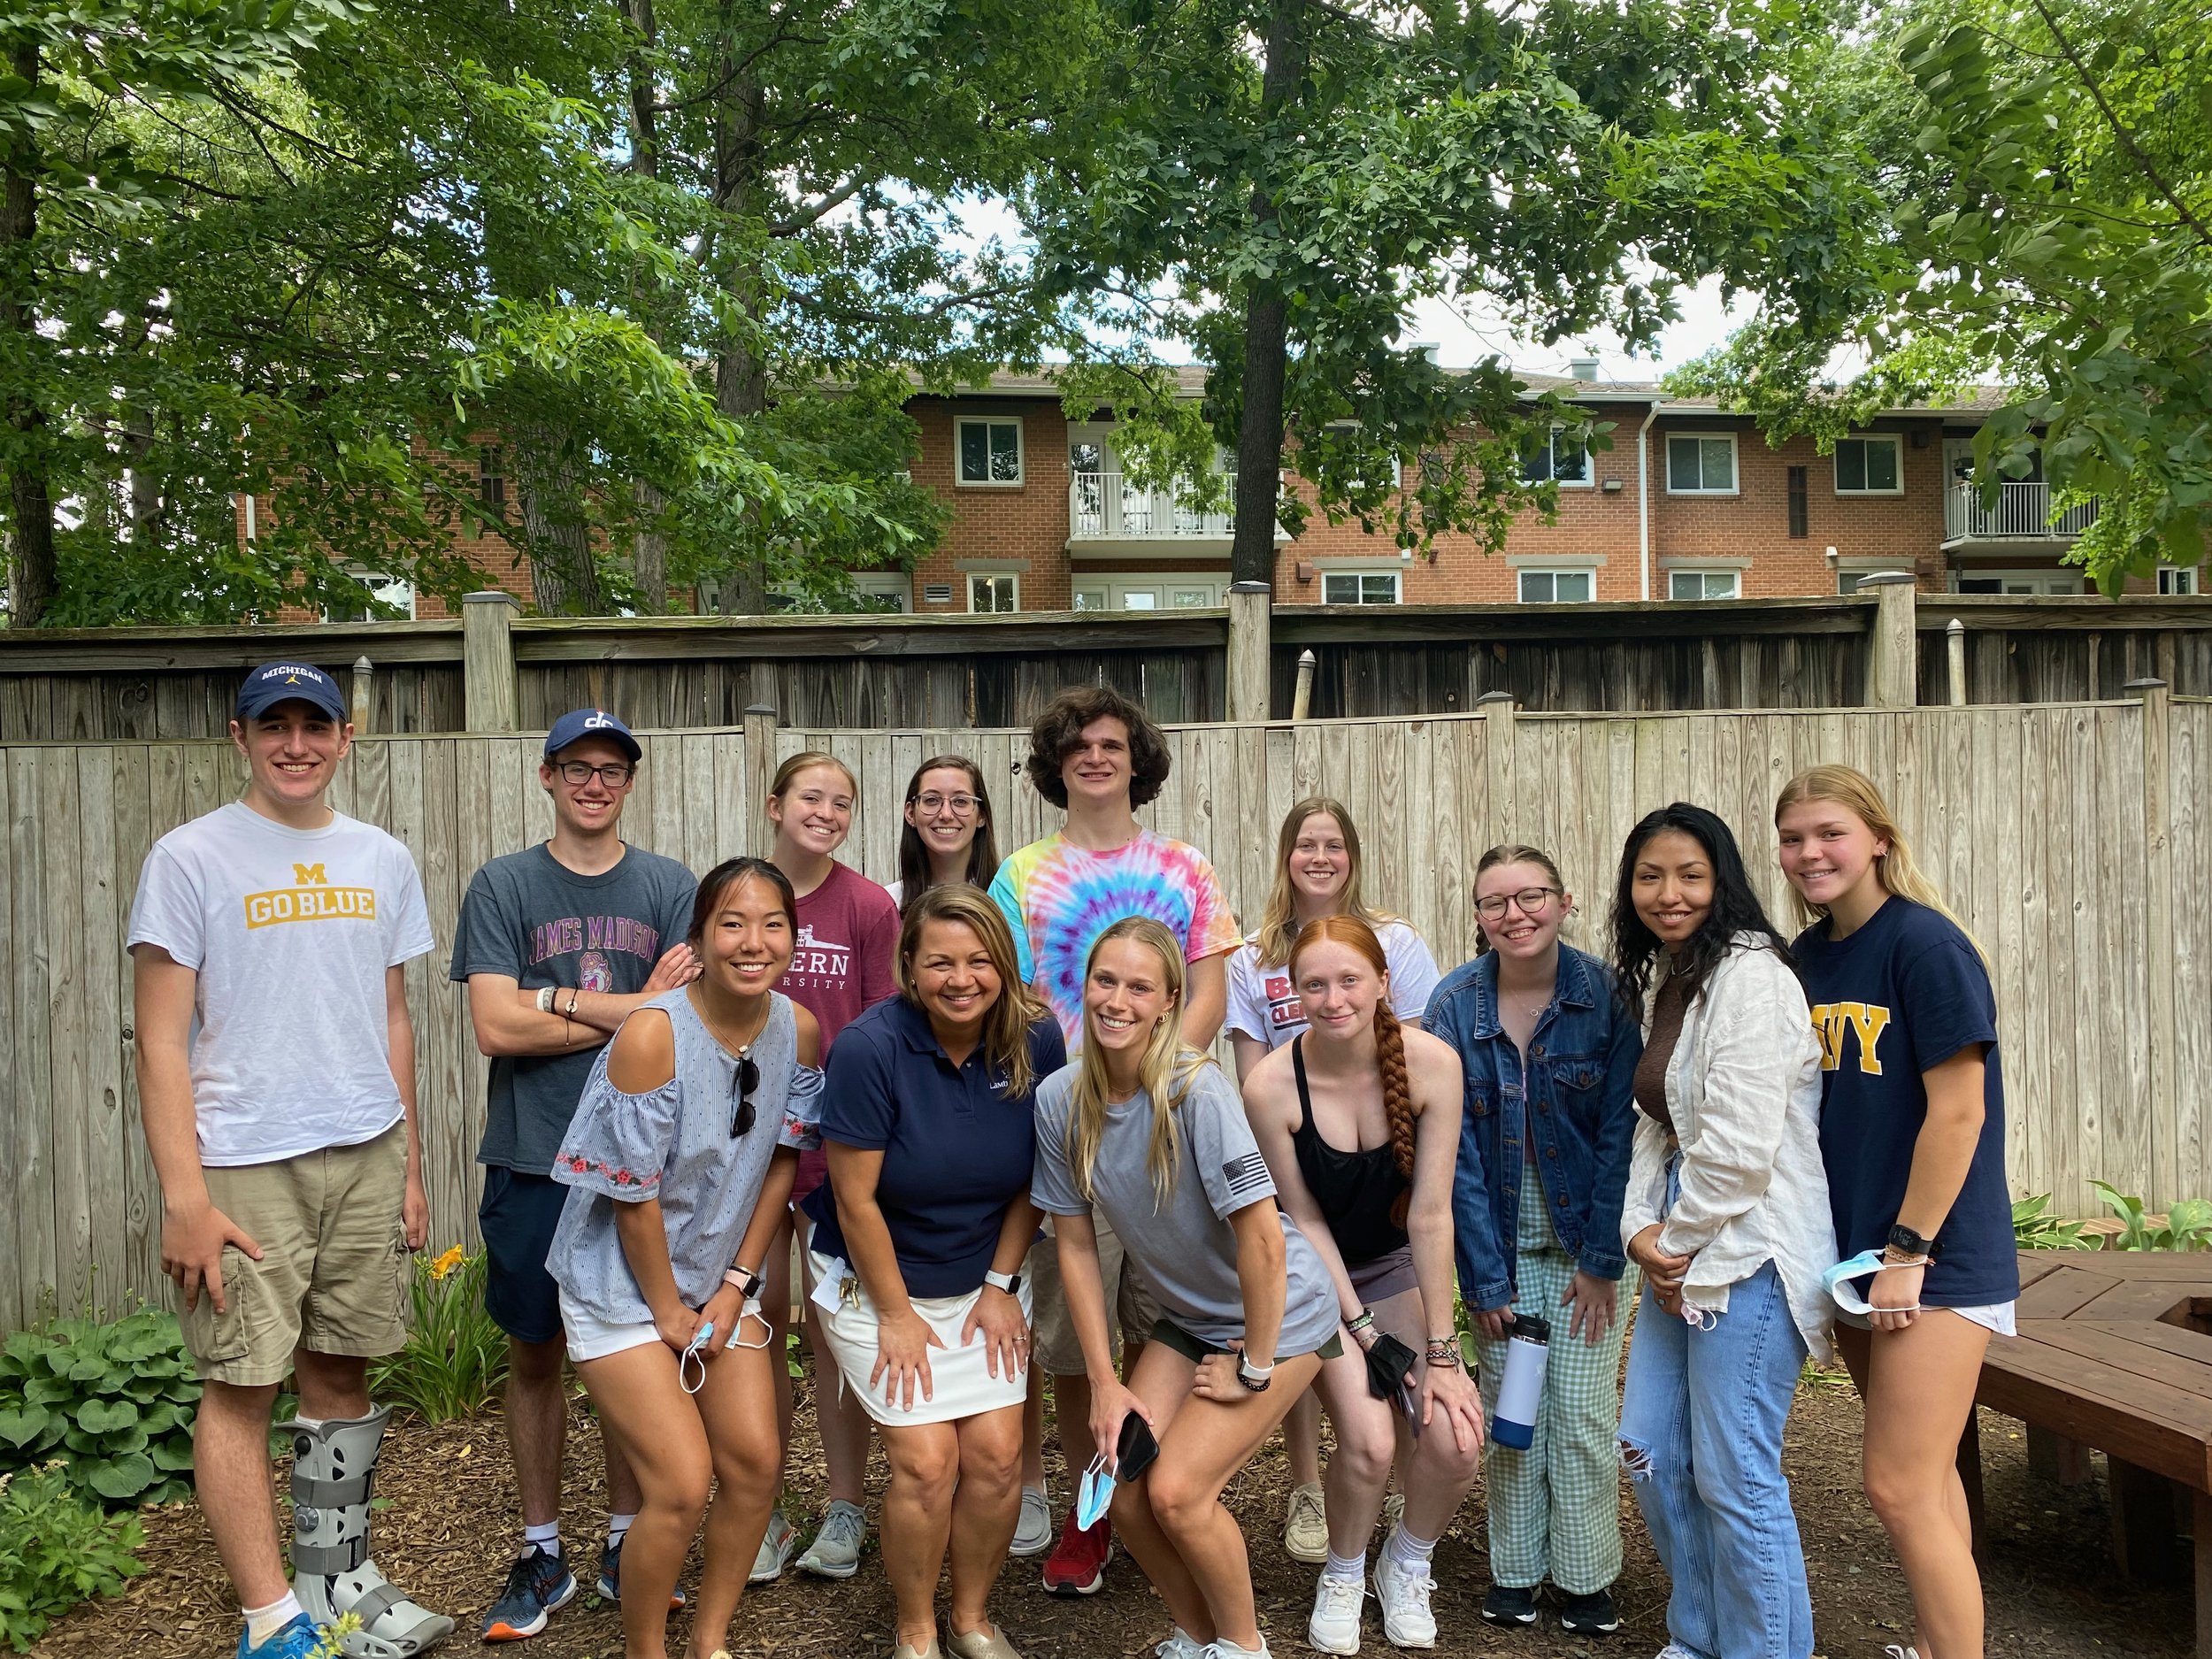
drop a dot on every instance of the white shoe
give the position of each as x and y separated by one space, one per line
1895 1652
1337 1605
1180 1645
776 1546
1306 1526
1675 1650
1403 1592
1033 1534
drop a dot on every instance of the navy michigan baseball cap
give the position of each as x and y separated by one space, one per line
273 683
579 724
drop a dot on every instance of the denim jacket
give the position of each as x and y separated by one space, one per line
1575 1104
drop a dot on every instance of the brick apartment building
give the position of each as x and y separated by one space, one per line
1688 504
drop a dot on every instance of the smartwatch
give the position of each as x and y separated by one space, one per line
1905 1241
1010 1283
745 1279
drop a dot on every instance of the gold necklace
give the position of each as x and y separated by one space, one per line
738 1048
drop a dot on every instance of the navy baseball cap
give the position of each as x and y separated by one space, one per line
579 724
273 683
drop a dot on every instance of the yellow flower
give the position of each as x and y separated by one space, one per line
446 1262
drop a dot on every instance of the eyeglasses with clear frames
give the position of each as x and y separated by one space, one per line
577 774
1531 901
959 805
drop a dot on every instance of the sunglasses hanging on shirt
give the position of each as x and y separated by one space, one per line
745 1081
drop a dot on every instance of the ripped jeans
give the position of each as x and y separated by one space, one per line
1702 1417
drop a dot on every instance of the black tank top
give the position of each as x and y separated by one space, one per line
1355 1190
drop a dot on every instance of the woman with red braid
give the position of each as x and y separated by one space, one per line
1358 1119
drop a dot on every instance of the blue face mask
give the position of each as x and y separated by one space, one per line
1093 1493
1838 1280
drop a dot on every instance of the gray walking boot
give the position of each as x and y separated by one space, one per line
333 1467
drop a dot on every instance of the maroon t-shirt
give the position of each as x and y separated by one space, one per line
848 942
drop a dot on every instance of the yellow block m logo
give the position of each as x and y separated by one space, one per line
310 875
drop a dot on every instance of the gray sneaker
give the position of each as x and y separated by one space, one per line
835 1551
1033 1535
776 1546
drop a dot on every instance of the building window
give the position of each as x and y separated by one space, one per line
1704 584
994 595
1556 588
1869 466
2178 580
2021 582
990 452
1135 591
1847 582
1359 587
1701 463
381 597
883 590
1799 526
1557 458
491 481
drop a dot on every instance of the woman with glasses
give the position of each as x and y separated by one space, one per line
948 835
679 1163
1317 875
1549 1054
917 1248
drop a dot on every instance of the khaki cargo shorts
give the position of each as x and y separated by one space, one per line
333 1276
1129 1306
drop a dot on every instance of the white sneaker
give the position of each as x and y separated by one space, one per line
776 1546
1403 1592
1895 1652
1033 1534
1337 1605
1306 1526
1180 1645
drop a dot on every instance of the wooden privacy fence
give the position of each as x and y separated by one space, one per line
2073 839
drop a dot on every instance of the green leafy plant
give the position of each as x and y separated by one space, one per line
2035 1228
2187 1225
114 1401
57 1548
455 1362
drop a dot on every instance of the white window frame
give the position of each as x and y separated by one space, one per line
1704 573
1110 586
969 578
1021 452
1896 443
1735 462
1589 480
2048 583
895 585
1359 575
2180 582
1520 583
377 582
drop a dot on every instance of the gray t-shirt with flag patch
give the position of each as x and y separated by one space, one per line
1185 1250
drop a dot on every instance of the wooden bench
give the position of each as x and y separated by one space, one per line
2115 1351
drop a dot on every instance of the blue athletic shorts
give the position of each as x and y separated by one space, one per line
518 1215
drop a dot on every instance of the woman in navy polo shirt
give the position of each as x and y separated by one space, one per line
917 1248
1912 1129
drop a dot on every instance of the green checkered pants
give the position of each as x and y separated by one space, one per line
1555 1508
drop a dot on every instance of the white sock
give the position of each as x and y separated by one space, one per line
617 1526
263 1622
1352 1567
547 1537
1403 1549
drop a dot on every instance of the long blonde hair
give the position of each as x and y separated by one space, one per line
1006 1023
1896 870
1279 924
1164 1073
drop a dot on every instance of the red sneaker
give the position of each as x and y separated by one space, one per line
1076 1565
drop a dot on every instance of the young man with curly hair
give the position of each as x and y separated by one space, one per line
1096 755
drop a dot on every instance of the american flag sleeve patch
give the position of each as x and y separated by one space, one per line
1246 1176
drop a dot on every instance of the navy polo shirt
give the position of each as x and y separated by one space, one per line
957 1150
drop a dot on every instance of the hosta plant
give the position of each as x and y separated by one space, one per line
112 1403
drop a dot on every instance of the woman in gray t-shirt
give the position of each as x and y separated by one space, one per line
1153 1138
678 1164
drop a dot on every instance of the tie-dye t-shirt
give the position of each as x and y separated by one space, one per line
1060 897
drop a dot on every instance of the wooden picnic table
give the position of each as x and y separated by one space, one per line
2115 1351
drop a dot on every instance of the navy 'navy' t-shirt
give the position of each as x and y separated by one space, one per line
1901 995
957 1150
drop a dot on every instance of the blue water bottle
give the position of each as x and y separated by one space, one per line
1522 1387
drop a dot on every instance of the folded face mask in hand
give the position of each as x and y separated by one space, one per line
1838 1281
1389 1363
1093 1493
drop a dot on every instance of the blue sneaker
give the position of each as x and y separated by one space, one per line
610 1576
297 1640
539 1584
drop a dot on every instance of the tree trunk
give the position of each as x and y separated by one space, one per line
649 553
563 575
32 581
1266 327
741 374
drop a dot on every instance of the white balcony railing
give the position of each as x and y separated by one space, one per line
2022 512
1107 505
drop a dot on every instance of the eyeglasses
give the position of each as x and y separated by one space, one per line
1530 900
578 772
747 1080
958 805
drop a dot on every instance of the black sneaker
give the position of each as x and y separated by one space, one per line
1590 1614
1509 1606
610 1576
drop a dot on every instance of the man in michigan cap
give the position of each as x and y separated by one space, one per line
285 1137
557 944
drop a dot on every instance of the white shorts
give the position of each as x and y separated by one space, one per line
961 1385
594 1339
1995 1318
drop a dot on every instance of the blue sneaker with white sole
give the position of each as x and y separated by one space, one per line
539 1584
297 1640
611 1578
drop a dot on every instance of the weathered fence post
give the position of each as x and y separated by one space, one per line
491 698
1497 710
1250 621
1301 699
364 705
2165 1171
1955 646
1893 680
760 773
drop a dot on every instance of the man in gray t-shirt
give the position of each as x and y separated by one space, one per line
557 944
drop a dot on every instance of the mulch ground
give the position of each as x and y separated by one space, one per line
2052 1591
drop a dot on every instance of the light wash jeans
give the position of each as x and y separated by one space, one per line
1702 1417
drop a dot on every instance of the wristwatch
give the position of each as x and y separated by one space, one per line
1010 1283
1905 1241
1255 1378
746 1281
